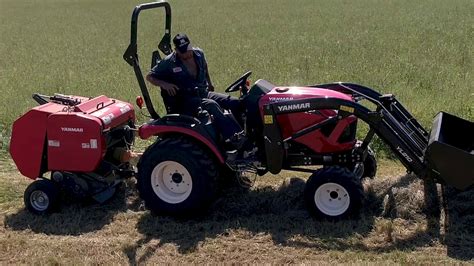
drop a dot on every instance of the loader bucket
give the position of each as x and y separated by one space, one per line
450 152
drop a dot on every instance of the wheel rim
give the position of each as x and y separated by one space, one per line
39 200
171 182
332 199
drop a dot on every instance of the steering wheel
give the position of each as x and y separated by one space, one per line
242 81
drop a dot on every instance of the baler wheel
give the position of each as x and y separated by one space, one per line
176 177
42 196
333 193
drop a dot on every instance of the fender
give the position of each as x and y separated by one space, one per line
148 130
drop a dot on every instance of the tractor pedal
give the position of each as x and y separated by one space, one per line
231 156
250 154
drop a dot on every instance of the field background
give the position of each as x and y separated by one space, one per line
422 51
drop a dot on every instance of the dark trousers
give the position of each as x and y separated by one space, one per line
229 103
214 103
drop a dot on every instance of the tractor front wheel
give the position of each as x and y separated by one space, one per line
42 196
176 177
333 193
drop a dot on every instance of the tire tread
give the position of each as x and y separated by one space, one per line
196 154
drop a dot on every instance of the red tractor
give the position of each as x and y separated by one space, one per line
179 173
287 128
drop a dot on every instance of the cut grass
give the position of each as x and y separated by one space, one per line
267 224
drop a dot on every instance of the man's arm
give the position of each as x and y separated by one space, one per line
210 87
170 88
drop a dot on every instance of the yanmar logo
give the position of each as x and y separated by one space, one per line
280 99
72 129
292 107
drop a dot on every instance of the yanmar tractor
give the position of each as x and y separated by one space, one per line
82 142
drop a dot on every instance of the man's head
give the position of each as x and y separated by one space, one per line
182 46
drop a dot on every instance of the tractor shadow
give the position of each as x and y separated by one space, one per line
458 223
74 218
281 214
447 212
278 212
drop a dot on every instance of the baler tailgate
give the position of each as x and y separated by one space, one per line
450 152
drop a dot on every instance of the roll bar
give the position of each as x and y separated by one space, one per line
131 56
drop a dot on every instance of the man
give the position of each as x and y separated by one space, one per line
186 85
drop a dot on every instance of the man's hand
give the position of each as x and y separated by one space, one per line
170 88
210 87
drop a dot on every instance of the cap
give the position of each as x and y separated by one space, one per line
182 43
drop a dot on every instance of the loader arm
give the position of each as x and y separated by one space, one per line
391 122
379 121
387 102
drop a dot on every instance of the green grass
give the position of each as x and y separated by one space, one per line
419 50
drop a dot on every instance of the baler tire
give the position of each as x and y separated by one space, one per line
42 197
189 159
329 187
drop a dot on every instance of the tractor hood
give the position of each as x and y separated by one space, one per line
284 94
293 122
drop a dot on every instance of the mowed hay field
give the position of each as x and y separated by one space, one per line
422 51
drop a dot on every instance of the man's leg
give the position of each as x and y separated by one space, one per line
171 103
227 102
228 127
190 106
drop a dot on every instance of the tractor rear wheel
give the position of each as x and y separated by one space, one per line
42 196
333 193
176 177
